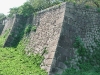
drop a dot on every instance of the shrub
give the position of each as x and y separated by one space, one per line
34 28
88 63
87 6
98 10
28 29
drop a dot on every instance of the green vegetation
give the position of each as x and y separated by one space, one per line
30 28
94 3
98 10
87 6
26 10
2 16
14 61
34 28
73 71
32 6
88 63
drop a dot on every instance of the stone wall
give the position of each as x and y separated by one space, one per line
57 28
16 26
49 23
78 22
8 23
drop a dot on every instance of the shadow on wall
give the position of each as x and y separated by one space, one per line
1 28
17 31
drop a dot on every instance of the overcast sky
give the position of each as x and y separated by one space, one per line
5 5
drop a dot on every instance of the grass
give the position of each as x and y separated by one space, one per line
14 61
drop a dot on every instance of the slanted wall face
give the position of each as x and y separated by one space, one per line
8 24
49 24
18 25
79 22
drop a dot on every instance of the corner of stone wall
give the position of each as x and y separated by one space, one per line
78 21
49 23
17 23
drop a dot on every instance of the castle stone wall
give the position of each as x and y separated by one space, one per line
49 23
8 23
57 28
79 22
17 26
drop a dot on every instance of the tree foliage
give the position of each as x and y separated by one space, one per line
32 6
25 9
95 3
2 16
42 4
12 11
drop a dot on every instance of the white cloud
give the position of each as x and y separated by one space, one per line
5 5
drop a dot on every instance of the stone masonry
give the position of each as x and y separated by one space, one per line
49 23
17 26
8 23
78 22
57 28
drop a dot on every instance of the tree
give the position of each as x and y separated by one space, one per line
2 16
25 9
12 11
83 2
42 4
38 4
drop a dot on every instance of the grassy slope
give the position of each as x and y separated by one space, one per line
14 61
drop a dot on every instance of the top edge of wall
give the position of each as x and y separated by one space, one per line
70 5
81 7
61 5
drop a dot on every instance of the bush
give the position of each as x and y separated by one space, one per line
98 10
28 29
34 28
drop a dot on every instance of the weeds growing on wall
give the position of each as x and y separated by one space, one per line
87 6
30 28
98 10
34 28
89 59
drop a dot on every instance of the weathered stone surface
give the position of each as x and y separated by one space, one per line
16 26
8 24
49 24
78 22
57 28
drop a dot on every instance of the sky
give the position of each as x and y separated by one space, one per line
5 5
